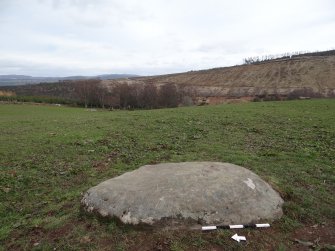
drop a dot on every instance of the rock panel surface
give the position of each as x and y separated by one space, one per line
186 194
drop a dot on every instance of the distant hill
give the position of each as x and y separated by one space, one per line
12 80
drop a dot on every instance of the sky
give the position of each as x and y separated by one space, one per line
150 37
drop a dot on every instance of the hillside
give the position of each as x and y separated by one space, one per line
310 75
290 77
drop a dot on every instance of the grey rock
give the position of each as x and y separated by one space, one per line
185 194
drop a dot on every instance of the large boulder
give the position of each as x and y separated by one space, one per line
186 194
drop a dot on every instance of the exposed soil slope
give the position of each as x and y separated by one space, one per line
314 73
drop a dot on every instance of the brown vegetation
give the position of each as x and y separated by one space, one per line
93 93
7 93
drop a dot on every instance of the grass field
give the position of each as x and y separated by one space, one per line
50 155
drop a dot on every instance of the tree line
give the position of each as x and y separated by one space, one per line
92 93
264 58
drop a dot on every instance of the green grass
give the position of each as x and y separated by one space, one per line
50 155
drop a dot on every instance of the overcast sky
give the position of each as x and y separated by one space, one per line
146 37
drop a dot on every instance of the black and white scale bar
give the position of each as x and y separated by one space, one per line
206 228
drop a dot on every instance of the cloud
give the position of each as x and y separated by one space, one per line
60 37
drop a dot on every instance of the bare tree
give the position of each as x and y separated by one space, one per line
168 95
149 97
86 91
123 92
101 94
